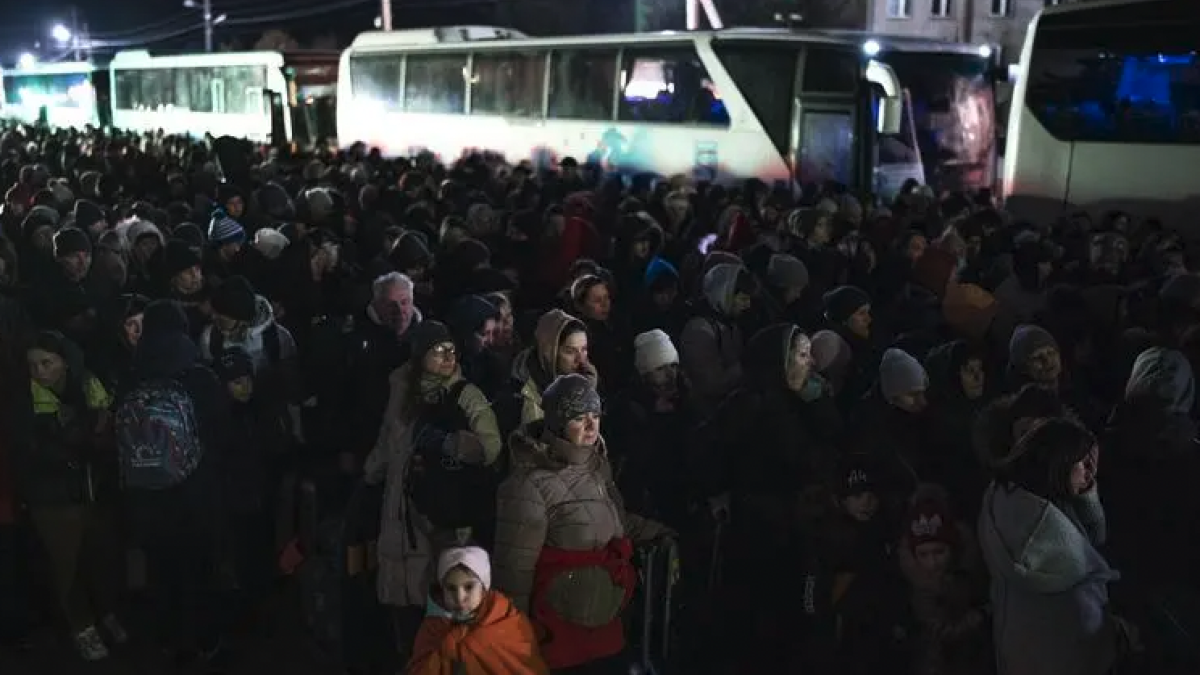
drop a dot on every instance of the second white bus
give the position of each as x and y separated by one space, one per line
718 106
1106 113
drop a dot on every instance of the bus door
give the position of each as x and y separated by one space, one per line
826 148
278 111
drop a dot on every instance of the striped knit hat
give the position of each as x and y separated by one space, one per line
225 230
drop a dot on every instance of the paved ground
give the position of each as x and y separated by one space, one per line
284 648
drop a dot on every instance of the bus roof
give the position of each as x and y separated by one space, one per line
140 58
1150 6
61 68
382 41
906 43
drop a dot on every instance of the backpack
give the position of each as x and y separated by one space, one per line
272 346
158 439
448 493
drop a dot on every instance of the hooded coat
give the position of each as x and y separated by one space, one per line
710 346
1049 587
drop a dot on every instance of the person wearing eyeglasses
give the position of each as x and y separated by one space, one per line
436 447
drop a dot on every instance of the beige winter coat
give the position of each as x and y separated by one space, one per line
563 496
404 562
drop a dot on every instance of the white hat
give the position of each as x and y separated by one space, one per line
470 557
653 350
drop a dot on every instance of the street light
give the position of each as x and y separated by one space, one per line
205 7
26 61
61 34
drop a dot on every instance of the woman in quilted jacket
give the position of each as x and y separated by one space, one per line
564 541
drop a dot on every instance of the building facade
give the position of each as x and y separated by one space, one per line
999 23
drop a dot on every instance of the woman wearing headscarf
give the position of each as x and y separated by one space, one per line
61 476
564 542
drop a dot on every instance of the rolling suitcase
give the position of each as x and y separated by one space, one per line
653 627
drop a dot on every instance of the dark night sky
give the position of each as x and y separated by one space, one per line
28 21
130 22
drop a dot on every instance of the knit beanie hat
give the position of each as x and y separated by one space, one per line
164 316
653 350
426 335
236 299
179 256
842 302
1026 340
785 271
855 476
830 351
900 374
568 397
473 558
928 522
225 230
70 240
191 233
234 363
88 213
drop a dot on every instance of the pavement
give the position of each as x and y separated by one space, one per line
282 646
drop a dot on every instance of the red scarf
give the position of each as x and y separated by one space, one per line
567 644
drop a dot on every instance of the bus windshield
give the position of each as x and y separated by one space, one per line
62 90
952 107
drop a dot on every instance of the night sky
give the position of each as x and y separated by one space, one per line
167 26
126 21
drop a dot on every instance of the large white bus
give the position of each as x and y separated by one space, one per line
1106 112
950 104
789 108
60 94
261 96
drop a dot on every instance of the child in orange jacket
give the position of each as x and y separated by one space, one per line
474 630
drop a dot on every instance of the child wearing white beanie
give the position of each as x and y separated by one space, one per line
653 350
477 630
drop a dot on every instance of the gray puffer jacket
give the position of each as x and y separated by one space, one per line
561 495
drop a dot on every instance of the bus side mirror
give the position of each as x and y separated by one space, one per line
891 115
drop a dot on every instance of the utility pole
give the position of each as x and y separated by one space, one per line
208 25
75 37
385 14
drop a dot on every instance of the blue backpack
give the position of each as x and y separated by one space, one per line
158 440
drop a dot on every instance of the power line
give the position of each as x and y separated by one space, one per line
296 14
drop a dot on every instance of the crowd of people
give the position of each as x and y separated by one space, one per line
924 438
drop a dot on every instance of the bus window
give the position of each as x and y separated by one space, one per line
826 148
239 80
377 79
217 91
435 83
670 86
582 83
831 71
508 83
766 77
63 90
1115 83
127 94
200 97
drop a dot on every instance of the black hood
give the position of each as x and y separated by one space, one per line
765 358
